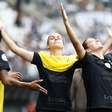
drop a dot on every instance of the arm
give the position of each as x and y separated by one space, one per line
12 80
72 35
27 55
108 43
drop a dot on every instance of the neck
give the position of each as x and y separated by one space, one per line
55 52
98 54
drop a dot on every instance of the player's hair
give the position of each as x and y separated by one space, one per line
0 36
84 44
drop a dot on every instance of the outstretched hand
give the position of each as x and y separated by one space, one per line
16 75
36 86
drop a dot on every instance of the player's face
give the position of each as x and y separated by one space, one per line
93 44
55 41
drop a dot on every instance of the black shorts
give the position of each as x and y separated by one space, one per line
99 110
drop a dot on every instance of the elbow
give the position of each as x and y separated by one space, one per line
13 48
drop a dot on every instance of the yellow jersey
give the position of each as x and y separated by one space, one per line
1 96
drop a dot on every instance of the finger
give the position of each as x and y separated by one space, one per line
35 85
62 8
61 5
38 81
63 12
17 76
18 73
43 89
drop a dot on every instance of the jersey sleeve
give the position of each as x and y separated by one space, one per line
4 65
109 56
36 60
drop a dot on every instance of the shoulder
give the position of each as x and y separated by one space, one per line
109 55
88 56
3 56
2 52
4 65
36 58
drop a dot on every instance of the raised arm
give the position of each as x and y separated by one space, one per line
72 35
108 42
27 55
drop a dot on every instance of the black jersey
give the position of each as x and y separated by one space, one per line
3 66
58 86
3 61
97 75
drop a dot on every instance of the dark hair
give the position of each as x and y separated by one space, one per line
0 36
84 44
47 41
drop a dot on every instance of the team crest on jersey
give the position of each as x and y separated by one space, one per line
108 65
4 58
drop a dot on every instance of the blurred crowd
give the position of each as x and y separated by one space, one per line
30 21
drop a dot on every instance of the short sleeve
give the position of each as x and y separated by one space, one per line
77 64
109 56
4 65
36 60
